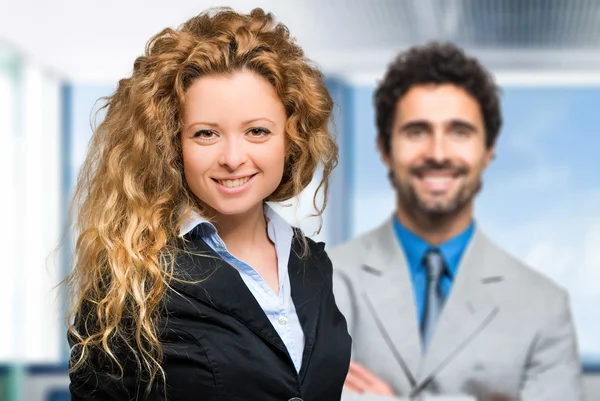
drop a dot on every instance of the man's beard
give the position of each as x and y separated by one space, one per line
411 200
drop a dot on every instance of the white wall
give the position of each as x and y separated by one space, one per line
30 211
39 226
8 217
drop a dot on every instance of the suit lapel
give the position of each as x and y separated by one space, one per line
306 285
468 309
390 299
204 275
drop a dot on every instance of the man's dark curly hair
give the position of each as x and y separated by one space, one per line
436 63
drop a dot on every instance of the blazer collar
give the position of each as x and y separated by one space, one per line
469 307
390 297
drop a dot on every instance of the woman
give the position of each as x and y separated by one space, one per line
186 284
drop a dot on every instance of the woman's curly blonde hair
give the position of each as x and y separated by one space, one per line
131 195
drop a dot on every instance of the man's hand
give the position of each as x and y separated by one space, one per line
361 381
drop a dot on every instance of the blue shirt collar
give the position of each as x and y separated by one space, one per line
415 247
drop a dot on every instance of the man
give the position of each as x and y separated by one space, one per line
433 306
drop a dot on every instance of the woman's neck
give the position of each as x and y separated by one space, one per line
241 231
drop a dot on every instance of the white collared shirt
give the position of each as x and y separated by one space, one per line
280 309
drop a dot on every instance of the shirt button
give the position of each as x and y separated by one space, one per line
282 320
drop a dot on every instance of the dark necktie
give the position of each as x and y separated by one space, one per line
434 298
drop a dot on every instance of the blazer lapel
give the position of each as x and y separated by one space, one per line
306 285
468 309
390 299
203 275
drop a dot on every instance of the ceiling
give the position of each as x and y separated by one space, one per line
97 41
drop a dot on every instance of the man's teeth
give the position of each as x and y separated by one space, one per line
234 183
437 178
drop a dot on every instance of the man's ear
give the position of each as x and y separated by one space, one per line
490 155
385 156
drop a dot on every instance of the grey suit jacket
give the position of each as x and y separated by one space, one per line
505 329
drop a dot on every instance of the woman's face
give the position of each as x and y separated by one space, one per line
233 141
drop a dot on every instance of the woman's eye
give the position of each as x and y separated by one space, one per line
258 132
204 134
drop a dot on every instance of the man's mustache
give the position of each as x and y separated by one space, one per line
431 166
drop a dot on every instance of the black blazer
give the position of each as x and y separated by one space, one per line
219 345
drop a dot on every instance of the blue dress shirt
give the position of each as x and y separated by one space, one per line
415 248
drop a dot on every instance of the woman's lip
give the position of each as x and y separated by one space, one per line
236 177
235 190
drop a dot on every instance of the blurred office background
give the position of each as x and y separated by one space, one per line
540 199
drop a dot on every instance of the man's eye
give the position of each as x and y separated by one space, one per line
461 132
416 132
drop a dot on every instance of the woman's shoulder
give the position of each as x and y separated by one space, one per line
312 253
314 247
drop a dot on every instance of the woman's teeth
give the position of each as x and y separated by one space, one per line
234 183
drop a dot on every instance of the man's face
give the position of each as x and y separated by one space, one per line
438 150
